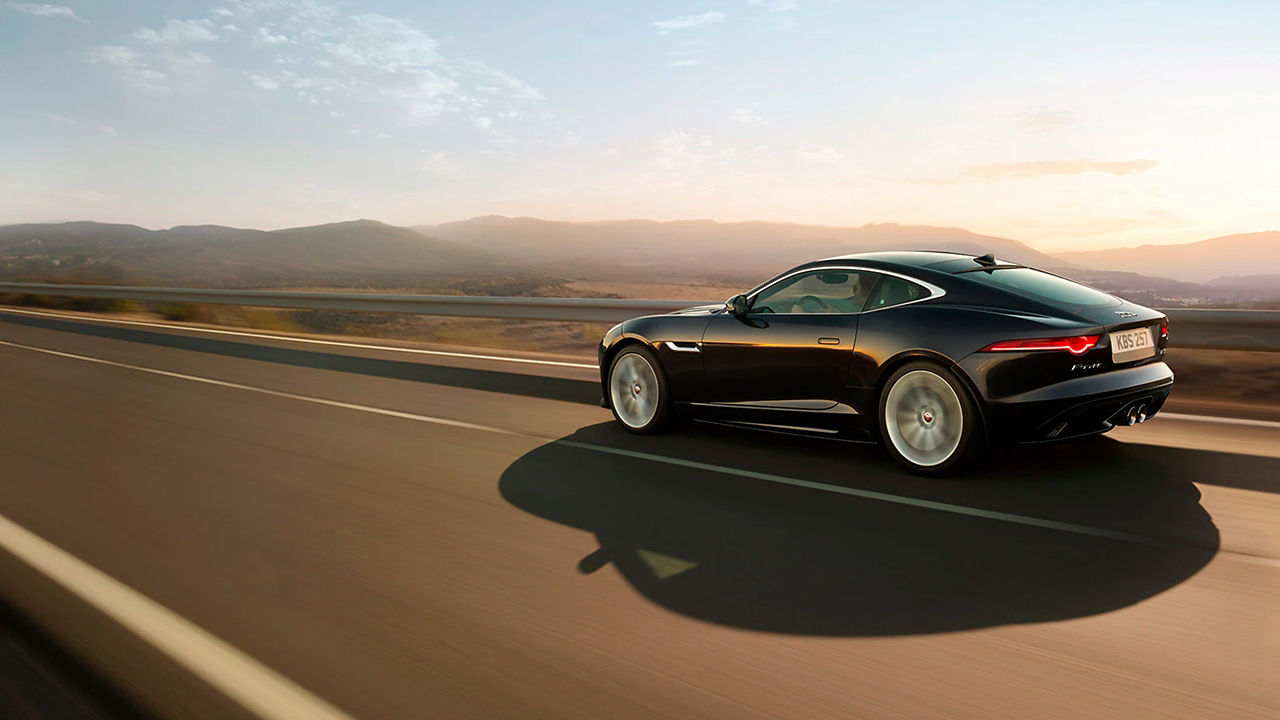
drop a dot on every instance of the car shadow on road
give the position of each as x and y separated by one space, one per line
754 553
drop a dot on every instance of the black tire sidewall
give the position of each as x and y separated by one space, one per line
658 422
971 433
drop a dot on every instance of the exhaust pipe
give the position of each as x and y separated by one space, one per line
1131 417
1142 413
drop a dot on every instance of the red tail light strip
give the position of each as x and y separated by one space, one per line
1078 345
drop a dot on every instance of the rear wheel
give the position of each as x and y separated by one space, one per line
928 422
638 391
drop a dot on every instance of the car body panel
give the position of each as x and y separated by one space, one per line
791 361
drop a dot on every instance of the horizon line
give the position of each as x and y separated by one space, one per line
414 227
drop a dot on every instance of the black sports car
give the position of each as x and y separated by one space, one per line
937 354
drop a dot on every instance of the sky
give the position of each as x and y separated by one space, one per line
1065 125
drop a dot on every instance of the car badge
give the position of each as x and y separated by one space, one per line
1126 313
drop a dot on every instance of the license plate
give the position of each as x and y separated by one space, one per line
1130 345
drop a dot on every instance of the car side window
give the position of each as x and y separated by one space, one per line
820 291
895 291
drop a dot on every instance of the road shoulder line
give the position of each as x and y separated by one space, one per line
252 685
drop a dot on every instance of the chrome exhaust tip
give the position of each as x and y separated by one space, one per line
1131 417
1142 413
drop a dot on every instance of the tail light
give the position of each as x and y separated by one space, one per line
1164 330
1077 345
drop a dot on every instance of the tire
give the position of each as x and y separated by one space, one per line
928 421
638 392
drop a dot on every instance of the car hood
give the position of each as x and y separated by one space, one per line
698 310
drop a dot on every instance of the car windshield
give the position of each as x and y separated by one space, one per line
1043 286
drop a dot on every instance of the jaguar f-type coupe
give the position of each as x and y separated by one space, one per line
938 355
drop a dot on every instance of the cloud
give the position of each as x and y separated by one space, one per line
821 155
102 127
439 163
323 52
265 37
674 150
688 22
1047 121
264 82
188 58
747 116
563 142
1040 168
683 58
133 67
778 6
685 150
483 122
43 10
178 32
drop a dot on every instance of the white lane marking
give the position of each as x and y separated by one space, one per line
256 687
873 495
1219 420
311 341
277 393
768 477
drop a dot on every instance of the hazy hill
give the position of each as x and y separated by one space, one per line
519 255
71 236
1258 285
703 247
1248 254
347 253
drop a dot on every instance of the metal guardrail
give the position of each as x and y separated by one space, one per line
603 310
1190 327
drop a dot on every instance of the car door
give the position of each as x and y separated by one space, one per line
793 347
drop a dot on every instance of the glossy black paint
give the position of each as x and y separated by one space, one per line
826 371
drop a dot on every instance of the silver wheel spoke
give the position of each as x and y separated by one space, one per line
923 418
633 389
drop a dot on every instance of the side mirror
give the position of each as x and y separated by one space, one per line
737 305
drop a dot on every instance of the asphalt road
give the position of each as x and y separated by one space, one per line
410 535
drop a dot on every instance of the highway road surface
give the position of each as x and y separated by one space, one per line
322 530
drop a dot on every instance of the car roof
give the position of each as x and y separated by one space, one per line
914 258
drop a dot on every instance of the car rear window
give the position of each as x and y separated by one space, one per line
895 291
1042 286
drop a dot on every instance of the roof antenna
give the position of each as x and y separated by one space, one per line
987 260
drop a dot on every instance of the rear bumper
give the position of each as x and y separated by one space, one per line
1080 406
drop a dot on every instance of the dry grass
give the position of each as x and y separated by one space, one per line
696 290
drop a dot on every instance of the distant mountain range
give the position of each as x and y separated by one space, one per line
366 253
1231 255
346 254
704 247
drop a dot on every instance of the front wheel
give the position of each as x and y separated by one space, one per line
928 422
638 391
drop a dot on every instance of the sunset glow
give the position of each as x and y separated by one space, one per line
1067 126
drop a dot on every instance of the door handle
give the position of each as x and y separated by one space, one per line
828 341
